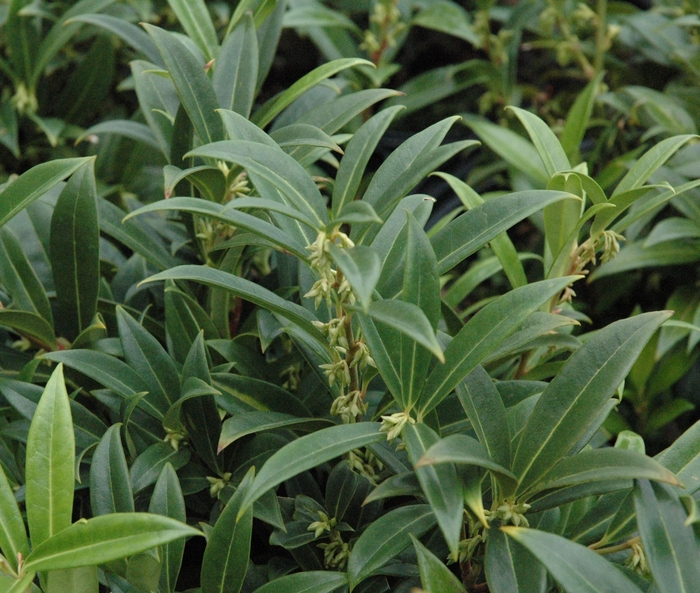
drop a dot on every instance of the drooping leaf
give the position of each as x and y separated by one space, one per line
361 266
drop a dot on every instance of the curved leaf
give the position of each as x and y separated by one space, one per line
434 575
110 485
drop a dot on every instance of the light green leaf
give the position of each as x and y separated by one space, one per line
573 399
440 484
226 556
50 456
194 17
192 84
106 538
385 538
110 485
122 127
354 212
547 144
434 575
167 500
450 18
76 580
670 546
307 452
295 136
578 118
649 162
274 106
75 253
316 15
35 183
575 567
253 422
483 334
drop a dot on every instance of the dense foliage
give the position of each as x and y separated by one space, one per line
244 348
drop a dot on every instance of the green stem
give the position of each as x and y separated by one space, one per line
618 548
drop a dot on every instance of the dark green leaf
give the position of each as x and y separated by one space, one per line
510 568
434 575
110 485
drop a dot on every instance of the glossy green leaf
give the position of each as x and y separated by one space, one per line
50 455
307 452
110 485
575 567
385 538
578 118
149 464
252 422
511 147
106 538
484 407
274 106
670 546
357 155
236 68
276 168
409 320
469 232
610 463
226 556
434 575
383 353
361 266
483 334
75 259
248 290
547 144
312 581
463 449
167 500
147 357
439 483
194 17
650 161
192 83
13 535
575 396
510 568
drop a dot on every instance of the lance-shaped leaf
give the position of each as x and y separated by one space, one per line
110 485
547 144
575 396
361 266
409 320
148 465
277 169
487 414
484 333
106 538
463 449
575 567
597 465
357 155
50 456
650 161
75 253
122 127
35 183
247 423
683 458
312 581
236 68
440 484
578 118
191 82
248 290
274 106
194 17
226 557
13 535
307 452
385 538
167 500
670 545
469 232
510 568
434 575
